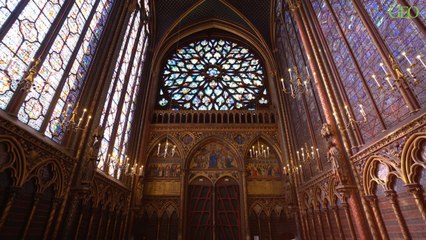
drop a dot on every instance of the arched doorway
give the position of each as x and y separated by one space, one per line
214 209
213 197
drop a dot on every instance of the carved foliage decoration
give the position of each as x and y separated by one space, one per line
413 157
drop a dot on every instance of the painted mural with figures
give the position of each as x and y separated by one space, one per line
264 166
164 167
213 156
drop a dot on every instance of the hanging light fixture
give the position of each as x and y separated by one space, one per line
166 150
259 151
297 85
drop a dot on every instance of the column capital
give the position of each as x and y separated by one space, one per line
371 198
294 4
391 195
414 188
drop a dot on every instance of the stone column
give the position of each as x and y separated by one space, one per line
339 223
417 192
372 199
393 199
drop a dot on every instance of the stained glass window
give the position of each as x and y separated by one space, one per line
118 111
402 37
390 105
63 65
213 74
75 39
307 115
6 8
23 39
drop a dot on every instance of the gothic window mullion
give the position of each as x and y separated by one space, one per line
22 22
305 101
125 85
305 61
67 69
133 91
14 14
357 67
115 75
293 58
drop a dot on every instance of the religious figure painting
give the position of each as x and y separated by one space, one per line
213 156
263 168
164 170
164 167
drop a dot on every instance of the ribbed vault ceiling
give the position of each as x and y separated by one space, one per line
252 15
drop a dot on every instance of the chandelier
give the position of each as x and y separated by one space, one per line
259 151
166 150
308 153
298 86
68 122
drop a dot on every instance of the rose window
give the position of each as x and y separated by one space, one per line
213 74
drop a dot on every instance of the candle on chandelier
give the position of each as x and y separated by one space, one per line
158 149
361 110
303 155
298 156
267 150
291 89
420 59
173 150
283 85
251 153
384 69
84 112
141 170
409 71
377 82
318 153
79 121
312 152
166 148
289 71
88 120
390 84
127 167
347 111
405 55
